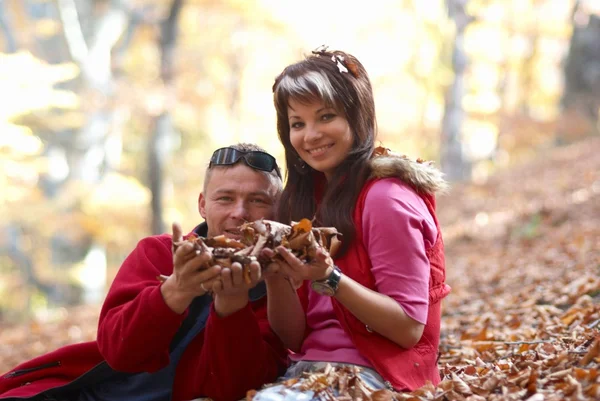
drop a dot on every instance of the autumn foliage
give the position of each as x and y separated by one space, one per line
523 260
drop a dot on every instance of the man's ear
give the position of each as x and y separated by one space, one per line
202 205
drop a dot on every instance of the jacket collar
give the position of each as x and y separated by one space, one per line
419 174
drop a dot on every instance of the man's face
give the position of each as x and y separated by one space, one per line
234 195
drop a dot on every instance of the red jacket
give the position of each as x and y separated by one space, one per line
404 369
135 331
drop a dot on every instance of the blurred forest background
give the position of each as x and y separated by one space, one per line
110 109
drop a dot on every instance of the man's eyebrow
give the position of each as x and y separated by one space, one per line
228 191
260 193
223 191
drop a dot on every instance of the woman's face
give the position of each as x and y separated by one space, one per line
320 134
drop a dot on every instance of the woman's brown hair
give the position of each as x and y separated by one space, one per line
340 81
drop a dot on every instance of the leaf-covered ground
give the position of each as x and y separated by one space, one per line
523 259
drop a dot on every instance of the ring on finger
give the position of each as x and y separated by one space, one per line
202 286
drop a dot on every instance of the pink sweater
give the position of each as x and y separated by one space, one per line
398 229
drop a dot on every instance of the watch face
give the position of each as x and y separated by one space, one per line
322 288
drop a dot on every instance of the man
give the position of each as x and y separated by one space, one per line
173 340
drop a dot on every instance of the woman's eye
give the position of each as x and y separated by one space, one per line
297 125
327 117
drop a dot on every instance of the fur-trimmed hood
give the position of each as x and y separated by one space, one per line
419 174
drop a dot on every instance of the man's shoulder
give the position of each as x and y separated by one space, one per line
155 240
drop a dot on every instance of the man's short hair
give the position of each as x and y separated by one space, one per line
273 175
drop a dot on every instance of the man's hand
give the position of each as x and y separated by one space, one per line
231 291
191 275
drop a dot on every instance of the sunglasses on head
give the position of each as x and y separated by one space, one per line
257 160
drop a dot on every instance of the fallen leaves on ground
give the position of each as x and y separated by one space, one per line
522 321
523 260
21 342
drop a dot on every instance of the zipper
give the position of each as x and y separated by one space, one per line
21 372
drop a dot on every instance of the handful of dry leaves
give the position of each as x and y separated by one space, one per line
301 238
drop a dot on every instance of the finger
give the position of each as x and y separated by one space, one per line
293 262
191 261
322 254
183 254
210 273
217 286
322 258
225 279
237 274
212 285
285 270
177 232
270 269
200 260
268 253
177 237
255 272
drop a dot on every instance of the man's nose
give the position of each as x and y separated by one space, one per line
240 211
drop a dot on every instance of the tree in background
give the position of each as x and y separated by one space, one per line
106 90
82 142
454 162
87 166
581 98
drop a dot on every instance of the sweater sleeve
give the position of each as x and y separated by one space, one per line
397 231
136 326
240 353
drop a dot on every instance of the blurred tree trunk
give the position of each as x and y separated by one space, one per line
453 160
581 97
163 131
87 154
6 27
47 44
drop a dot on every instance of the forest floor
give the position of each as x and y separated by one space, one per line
523 259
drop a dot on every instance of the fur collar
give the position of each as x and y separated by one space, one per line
419 174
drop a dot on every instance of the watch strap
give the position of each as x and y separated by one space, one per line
333 280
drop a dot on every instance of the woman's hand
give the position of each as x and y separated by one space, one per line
295 269
284 310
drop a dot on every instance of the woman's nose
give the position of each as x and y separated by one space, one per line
313 134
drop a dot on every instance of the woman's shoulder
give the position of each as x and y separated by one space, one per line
383 191
391 199
422 176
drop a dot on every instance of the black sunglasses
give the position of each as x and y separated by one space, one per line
257 160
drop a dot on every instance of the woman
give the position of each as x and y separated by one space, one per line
376 303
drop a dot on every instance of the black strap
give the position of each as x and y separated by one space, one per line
196 308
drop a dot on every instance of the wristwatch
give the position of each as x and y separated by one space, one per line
329 285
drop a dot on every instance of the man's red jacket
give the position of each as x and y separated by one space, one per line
230 355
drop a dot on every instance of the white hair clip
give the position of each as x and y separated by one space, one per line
338 60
